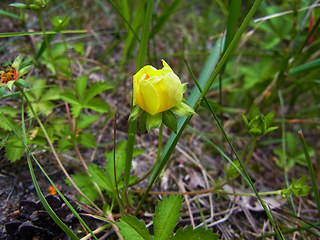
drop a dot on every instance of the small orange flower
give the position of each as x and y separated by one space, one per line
8 74
52 190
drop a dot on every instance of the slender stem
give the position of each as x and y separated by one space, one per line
46 40
253 145
122 207
205 191
157 159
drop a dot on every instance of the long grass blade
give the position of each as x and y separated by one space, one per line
164 17
19 34
311 171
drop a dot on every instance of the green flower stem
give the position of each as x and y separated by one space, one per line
157 159
46 40
140 63
55 153
253 145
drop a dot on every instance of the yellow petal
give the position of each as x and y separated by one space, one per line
165 64
170 91
148 100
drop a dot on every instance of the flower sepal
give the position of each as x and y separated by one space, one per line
147 122
183 110
135 113
21 83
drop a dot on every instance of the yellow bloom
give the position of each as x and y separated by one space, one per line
155 90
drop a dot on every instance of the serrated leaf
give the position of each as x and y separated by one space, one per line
52 94
192 234
101 177
84 181
87 140
44 108
132 229
14 149
153 121
85 121
69 97
8 110
75 110
95 89
97 105
81 85
4 125
65 145
166 215
170 120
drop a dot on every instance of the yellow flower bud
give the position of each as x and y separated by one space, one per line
155 90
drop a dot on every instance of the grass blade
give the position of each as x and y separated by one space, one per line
19 34
171 9
311 171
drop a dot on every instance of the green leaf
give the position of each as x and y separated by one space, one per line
81 85
65 144
69 97
192 234
166 215
52 94
95 89
8 110
84 181
87 140
120 161
269 118
97 105
9 14
170 120
4 125
18 5
79 48
14 149
254 112
307 67
85 121
153 121
76 109
100 177
245 119
132 229
44 108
